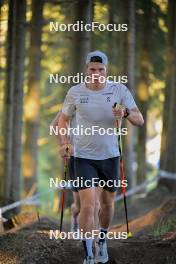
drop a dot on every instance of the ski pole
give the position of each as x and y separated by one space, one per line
122 174
63 191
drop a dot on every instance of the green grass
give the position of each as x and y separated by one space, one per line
165 226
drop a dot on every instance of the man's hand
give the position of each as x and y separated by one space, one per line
66 150
135 117
118 111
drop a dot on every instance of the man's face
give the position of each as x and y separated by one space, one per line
96 71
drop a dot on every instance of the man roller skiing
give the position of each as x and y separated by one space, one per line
96 154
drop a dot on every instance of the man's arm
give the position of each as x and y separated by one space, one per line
135 117
63 124
54 124
67 112
62 139
55 121
66 148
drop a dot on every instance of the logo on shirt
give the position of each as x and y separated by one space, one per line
84 100
108 99
107 93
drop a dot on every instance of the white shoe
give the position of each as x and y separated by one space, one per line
101 254
89 260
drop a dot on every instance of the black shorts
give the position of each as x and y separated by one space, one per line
87 173
71 171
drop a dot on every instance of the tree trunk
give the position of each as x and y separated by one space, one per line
81 39
6 180
32 104
168 142
129 139
13 103
127 58
2 90
143 90
18 99
112 46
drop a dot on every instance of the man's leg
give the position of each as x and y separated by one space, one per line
86 172
105 217
87 202
110 171
106 208
86 217
97 208
75 209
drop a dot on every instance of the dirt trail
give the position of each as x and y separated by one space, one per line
31 244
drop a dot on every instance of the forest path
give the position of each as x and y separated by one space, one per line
31 243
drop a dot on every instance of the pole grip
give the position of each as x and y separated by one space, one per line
118 119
